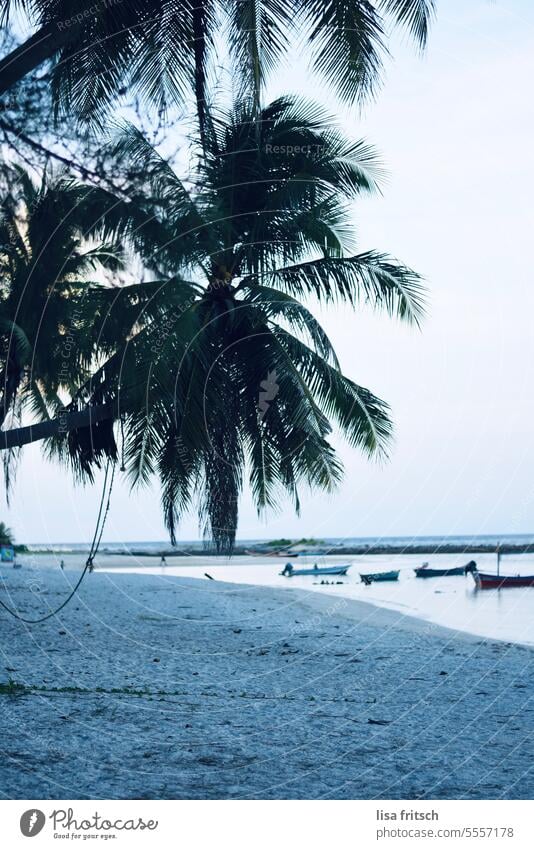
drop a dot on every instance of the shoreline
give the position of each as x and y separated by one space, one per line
451 602
161 687
239 551
357 611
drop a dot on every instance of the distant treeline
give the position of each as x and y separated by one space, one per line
338 551
445 548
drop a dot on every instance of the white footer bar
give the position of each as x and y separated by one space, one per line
269 824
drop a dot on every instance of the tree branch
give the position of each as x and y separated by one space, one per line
33 52
65 422
86 173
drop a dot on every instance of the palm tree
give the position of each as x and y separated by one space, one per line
223 373
6 535
161 50
46 263
212 369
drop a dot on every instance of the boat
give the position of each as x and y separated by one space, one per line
492 581
380 576
289 571
425 572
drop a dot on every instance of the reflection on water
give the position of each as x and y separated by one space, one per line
505 614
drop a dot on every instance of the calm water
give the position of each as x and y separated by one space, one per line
454 602
506 614
405 542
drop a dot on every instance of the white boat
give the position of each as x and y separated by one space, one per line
290 572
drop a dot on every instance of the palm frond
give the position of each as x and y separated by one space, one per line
370 278
204 22
347 44
415 15
274 305
362 417
258 38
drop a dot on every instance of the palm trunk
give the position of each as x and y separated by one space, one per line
34 51
65 422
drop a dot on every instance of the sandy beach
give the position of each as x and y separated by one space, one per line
148 686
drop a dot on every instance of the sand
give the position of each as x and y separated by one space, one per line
167 688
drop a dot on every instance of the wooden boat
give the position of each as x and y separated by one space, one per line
491 581
425 572
380 576
289 571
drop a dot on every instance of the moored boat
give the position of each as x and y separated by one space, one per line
425 572
380 576
492 581
289 571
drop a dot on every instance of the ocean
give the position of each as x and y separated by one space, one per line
453 601
405 542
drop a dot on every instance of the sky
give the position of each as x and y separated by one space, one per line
455 129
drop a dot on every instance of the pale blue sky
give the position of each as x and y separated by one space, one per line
456 130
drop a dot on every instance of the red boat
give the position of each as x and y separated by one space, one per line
491 581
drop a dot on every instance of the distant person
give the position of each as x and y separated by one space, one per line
162 562
62 564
